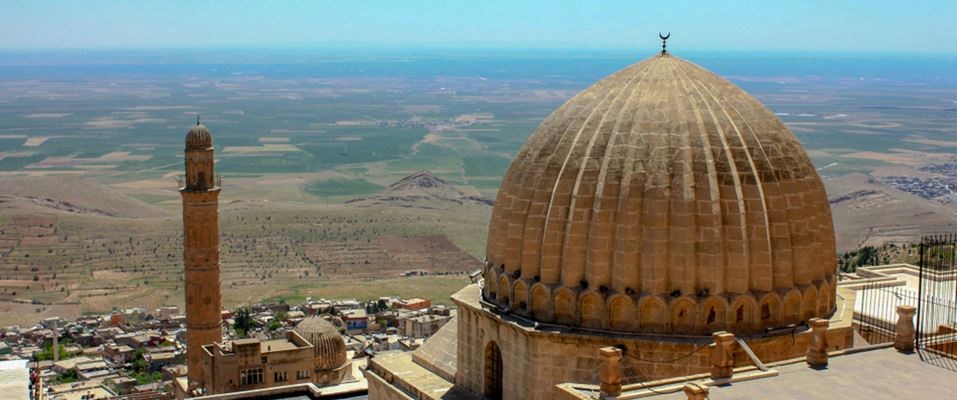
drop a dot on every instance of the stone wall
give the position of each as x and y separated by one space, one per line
379 389
535 360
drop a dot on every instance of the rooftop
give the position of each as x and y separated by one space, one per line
412 377
276 345
881 373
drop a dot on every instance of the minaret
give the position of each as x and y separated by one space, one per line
200 250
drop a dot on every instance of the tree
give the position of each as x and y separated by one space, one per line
243 321
139 361
68 377
275 324
47 353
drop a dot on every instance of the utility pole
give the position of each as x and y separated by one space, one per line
56 342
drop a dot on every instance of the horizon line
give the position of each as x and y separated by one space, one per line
407 47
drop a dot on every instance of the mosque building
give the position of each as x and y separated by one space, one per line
657 207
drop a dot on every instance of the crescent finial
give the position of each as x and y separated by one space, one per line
664 38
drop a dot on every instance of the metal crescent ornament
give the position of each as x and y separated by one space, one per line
664 37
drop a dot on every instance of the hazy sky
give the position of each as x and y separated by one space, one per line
874 25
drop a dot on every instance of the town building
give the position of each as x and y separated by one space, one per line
415 304
247 364
356 320
423 326
312 353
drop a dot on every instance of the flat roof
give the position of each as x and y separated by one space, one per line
276 345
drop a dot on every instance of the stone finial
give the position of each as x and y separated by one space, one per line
696 391
817 349
904 337
722 355
610 371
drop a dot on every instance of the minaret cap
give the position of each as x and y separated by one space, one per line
199 137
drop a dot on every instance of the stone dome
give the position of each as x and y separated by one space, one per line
662 199
328 345
198 137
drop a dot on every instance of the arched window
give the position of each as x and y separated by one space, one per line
493 371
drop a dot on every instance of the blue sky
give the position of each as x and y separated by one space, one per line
856 26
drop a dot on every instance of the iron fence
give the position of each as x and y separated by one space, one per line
936 333
875 310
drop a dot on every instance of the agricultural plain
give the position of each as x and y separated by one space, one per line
321 155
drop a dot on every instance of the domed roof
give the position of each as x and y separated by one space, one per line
198 137
662 199
328 345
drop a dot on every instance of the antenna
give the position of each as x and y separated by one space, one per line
664 38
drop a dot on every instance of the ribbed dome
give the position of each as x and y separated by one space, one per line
199 137
662 199
329 347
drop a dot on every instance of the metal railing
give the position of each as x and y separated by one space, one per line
875 310
936 333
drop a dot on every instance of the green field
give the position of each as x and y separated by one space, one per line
342 187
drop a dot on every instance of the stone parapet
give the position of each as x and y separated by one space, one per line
818 347
696 391
611 375
722 355
905 331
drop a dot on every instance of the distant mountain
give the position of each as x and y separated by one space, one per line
421 190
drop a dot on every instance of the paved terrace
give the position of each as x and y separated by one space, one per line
882 373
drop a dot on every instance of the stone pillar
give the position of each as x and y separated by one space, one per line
722 355
610 371
696 391
817 349
904 337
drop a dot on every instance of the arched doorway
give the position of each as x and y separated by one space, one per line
493 371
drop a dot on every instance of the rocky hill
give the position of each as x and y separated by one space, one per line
421 190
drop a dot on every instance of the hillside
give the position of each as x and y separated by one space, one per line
74 195
421 190
867 213
58 262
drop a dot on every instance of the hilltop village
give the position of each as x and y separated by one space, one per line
136 352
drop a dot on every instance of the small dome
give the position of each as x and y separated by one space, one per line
199 137
662 199
329 347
